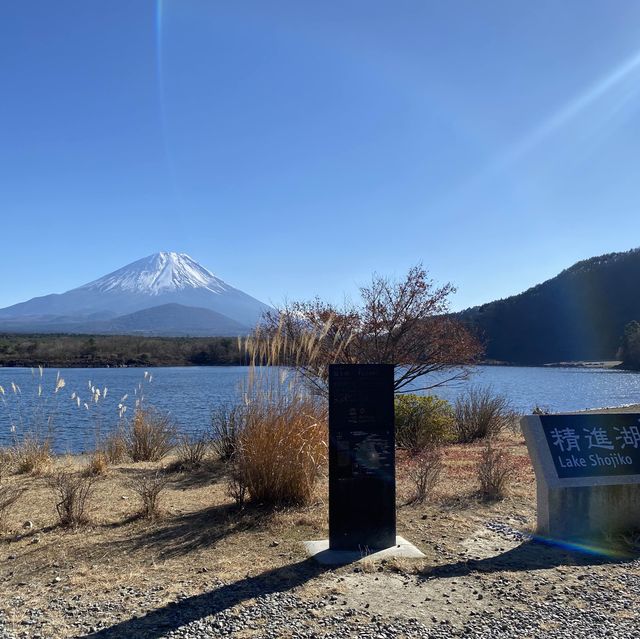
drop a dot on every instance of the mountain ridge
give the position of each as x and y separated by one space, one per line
577 315
168 320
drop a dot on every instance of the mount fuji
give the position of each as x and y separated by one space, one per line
164 294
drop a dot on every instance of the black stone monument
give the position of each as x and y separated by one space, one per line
362 480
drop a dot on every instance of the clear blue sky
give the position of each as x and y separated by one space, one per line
294 147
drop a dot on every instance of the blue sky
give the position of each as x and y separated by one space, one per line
295 147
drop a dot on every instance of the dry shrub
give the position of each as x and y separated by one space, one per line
479 414
148 487
236 484
192 450
72 490
227 422
6 463
98 464
114 447
150 436
424 472
32 455
495 471
9 495
281 450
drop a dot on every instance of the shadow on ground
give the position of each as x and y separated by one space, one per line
182 475
204 474
183 534
162 621
530 555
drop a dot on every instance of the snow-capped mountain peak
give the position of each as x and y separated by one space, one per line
164 280
159 273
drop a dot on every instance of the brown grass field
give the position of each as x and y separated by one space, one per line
124 567
202 533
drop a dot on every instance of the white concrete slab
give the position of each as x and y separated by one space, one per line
321 552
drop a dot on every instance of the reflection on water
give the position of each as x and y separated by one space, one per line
189 394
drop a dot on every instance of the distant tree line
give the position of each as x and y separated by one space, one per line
117 350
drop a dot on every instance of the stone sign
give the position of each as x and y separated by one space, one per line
593 445
587 471
362 489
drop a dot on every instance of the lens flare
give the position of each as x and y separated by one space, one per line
603 551
572 110
160 75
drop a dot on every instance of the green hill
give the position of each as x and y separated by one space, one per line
578 315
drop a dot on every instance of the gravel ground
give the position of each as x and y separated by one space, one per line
584 598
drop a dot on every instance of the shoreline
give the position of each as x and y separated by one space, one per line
625 408
27 363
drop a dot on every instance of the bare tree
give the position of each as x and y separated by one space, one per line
405 323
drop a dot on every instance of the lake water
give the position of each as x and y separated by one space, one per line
190 394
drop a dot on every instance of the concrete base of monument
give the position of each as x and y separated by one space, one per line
321 552
588 512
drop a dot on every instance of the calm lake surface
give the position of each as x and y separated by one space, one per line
190 394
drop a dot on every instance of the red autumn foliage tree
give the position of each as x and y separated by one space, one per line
401 322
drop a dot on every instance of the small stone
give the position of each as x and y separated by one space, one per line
28 524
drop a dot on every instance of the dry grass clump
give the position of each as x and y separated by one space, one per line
98 464
479 414
150 435
72 490
495 471
9 495
6 463
192 450
148 487
424 472
276 442
32 455
227 422
114 447
280 450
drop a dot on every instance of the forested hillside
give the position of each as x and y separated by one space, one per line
578 315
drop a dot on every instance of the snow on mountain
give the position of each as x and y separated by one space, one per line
157 274
162 278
